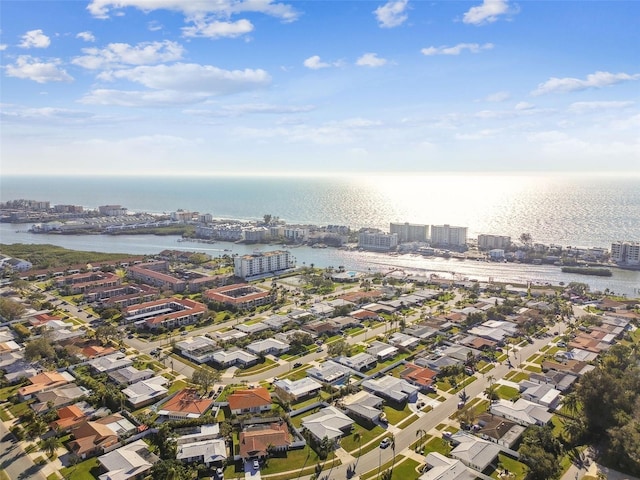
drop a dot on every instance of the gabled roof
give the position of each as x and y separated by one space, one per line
328 422
186 403
249 398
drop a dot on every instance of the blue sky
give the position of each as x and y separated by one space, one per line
265 87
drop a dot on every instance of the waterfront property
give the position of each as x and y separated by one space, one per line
241 296
263 263
166 312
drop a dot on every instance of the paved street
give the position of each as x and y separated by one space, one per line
13 459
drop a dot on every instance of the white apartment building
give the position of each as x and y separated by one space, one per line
409 232
490 242
446 235
626 252
248 266
377 241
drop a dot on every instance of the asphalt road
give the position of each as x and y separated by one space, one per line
13 459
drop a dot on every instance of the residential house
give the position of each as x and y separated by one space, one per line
68 417
234 357
522 412
256 441
364 406
330 372
445 468
43 382
200 349
146 391
129 462
382 351
129 375
422 377
268 346
473 451
328 422
295 390
185 404
499 430
360 361
543 394
58 397
212 452
252 400
392 389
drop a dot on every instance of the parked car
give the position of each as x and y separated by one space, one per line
256 464
297 365
385 442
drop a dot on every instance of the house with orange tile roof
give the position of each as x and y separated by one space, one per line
419 376
68 418
185 404
256 440
91 438
42 382
166 312
240 295
251 400
95 351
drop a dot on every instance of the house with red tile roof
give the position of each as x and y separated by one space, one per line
42 382
419 376
257 440
240 295
68 418
91 438
252 400
166 312
185 404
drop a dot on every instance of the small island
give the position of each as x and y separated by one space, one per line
599 272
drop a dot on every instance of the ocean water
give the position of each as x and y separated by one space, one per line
578 210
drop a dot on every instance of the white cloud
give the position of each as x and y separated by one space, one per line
217 29
314 63
593 80
35 39
251 108
498 97
392 13
3 47
584 107
456 49
488 12
154 26
520 106
137 98
550 136
370 60
191 8
119 54
178 84
40 71
86 36
45 115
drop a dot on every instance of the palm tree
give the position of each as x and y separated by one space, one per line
571 404
421 433
50 445
387 474
393 447
358 438
573 429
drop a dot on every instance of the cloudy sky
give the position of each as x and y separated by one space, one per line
260 86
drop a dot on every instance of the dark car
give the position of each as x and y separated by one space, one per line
297 365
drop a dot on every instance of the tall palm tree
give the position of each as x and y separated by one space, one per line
571 404
358 438
421 433
51 445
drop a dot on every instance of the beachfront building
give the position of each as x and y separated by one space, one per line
263 263
446 235
409 232
377 241
489 242
627 253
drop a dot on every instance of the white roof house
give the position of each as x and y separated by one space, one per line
328 422
146 391
541 393
445 468
330 372
473 451
205 451
297 388
268 346
360 361
127 462
110 362
199 349
382 351
522 411
234 357
392 388
402 340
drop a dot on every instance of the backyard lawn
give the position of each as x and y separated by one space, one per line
86 470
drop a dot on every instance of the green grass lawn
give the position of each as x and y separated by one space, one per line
260 367
408 421
7 392
513 466
298 373
366 434
507 392
177 386
4 415
86 470
516 377
19 409
396 416
439 445
533 368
